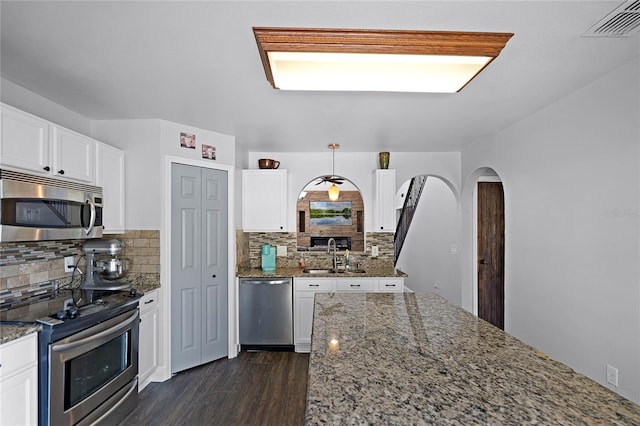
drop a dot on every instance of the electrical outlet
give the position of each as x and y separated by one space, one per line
453 249
374 251
68 304
612 375
436 287
69 265
281 251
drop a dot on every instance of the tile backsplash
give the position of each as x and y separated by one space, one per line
249 255
29 270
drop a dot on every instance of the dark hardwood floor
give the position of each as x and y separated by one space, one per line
256 388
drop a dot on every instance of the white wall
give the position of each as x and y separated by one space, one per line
31 102
571 183
140 139
146 143
426 254
358 167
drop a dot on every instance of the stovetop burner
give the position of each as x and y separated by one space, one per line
60 321
108 300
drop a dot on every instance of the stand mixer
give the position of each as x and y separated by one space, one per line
104 265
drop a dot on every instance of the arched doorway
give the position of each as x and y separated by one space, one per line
430 252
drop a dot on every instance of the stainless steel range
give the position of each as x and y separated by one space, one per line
88 359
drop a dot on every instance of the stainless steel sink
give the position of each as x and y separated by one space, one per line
332 271
351 271
318 271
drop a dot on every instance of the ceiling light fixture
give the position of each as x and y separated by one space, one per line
375 60
334 191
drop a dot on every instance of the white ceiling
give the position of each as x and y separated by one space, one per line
196 63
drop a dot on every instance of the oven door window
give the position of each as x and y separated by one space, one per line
87 373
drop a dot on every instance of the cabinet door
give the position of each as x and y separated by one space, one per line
110 176
19 398
25 141
73 155
19 382
384 208
148 350
264 198
303 322
304 292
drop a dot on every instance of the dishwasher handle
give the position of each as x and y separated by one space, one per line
266 281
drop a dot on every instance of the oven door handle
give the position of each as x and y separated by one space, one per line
105 334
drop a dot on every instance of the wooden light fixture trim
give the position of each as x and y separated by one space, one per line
406 42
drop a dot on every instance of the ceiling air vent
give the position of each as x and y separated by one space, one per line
622 22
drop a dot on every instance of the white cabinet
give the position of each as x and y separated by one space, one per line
304 293
19 381
264 200
35 145
73 155
384 212
25 141
110 177
149 334
305 290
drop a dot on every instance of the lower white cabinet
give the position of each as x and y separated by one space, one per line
304 292
149 334
19 381
306 288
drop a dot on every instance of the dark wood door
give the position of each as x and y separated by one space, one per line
491 253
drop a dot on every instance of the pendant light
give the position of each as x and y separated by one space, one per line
334 191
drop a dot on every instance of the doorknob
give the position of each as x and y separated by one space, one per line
483 262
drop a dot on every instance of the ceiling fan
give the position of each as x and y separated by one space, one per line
332 178
329 178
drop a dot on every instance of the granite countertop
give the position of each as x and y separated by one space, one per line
143 283
297 272
409 358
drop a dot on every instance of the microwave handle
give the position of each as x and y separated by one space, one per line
92 219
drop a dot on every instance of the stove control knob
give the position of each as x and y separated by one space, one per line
73 312
61 315
133 292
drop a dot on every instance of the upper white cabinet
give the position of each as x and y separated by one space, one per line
110 176
384 212
264 199
73 155
35 145
25 141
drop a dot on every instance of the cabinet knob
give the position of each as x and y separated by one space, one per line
382 227
213 276
281 227
46 168
60 172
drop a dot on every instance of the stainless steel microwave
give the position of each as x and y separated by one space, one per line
36 208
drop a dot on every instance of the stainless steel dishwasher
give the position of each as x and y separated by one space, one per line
266 313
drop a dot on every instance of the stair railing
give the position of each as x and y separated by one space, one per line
406 215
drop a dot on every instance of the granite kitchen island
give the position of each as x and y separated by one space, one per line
416 359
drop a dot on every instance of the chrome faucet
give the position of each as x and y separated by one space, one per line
335 261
